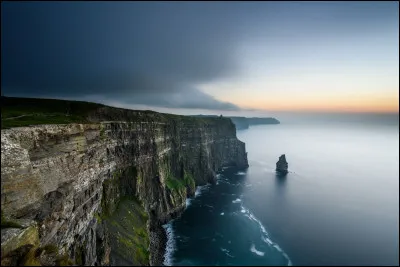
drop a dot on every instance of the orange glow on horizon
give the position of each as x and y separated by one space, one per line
359 104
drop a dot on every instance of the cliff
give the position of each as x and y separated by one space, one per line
97 192
242 123
245 123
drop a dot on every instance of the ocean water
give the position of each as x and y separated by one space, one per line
338 205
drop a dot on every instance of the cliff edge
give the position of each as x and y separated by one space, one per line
98 190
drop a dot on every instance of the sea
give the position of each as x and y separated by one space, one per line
338 205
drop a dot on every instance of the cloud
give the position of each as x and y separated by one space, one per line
136 53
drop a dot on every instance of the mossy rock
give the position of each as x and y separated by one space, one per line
21 237
7 223
31 258
128 230
64 260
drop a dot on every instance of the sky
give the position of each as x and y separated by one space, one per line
226 58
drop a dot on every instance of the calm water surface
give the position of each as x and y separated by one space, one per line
338 205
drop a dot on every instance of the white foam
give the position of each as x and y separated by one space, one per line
222 213
240 173
226 252
236 200
200 189
188 202
254 250
170 246
264 235
244 210
267 240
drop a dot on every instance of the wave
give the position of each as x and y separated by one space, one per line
236 200
170 246
198 192
226 251
200 189
264 234
254 250
188 202
267 240
218 176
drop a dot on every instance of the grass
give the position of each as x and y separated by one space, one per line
64 260
48 249
5 223
174 184
32 257
189 180
18 112
128 231
98 217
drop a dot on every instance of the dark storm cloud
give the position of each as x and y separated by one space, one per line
136 53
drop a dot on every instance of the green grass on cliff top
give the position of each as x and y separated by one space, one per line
18 112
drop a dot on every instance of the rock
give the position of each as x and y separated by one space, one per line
70 178
14 238
282 165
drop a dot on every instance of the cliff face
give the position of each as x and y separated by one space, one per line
242 123
99 192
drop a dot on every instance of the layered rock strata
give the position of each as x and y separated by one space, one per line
98 193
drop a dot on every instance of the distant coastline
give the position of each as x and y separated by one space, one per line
242 123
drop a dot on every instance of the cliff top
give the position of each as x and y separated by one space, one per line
18 112
238 117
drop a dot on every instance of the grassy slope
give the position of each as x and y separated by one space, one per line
18 112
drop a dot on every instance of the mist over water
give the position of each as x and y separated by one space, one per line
339 204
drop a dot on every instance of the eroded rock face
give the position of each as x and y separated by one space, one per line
282 165
69 178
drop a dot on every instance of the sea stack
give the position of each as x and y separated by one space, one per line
282 165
